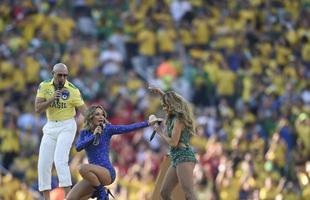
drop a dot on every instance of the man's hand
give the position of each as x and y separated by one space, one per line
56 96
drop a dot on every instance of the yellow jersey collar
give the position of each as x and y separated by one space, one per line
65 85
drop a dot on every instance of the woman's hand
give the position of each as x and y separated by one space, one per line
98 130
156 127
156 90
160 128
154 120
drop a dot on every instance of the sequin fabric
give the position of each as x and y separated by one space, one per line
99 155
180 154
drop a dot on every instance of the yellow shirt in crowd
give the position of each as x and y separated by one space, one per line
201 31
65 28
89 56
226 82
65 108
186 36
147 40
305 52
166 39
6 70
32 69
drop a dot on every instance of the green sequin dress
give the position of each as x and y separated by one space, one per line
180 154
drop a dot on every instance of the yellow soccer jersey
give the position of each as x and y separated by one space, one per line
65 107
147 40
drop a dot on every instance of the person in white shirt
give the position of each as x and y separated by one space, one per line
111 60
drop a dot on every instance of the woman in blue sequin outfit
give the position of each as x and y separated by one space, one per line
99 172
179 126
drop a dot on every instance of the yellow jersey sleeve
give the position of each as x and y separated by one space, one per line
77 99
40 91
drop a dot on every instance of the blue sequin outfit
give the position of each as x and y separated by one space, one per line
99 155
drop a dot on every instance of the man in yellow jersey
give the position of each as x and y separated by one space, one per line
60 99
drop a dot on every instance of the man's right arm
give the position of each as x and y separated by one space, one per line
41 104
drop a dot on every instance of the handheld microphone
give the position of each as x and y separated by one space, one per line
97 136
154 132
59 87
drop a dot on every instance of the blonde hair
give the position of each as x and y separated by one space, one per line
180 107
89 115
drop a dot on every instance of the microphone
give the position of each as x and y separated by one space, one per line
154 132
59 87
97 136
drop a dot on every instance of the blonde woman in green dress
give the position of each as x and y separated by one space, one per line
178 127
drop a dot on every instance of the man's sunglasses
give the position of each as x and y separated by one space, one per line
60 75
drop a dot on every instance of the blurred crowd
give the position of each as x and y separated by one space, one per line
243 64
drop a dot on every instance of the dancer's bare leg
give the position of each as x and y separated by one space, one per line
67 190
185 176
169 183
95 175
82 190
46 194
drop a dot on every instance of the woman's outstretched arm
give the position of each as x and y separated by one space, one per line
119 129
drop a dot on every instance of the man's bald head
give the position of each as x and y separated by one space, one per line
60 73
60 67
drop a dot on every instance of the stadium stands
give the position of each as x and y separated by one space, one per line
243 64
